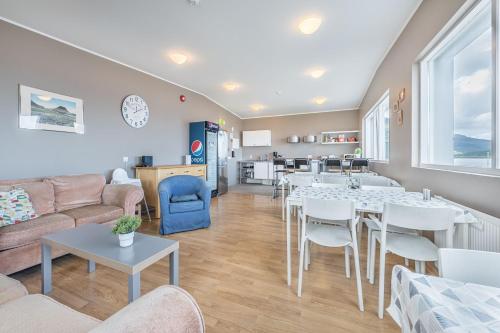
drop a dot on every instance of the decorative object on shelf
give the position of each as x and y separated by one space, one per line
293 139
135 111
125 229
358 152
339 137
182 98
397 107
40 109
309 139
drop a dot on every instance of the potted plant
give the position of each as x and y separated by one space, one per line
125 228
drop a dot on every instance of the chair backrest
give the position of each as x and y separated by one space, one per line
383 188
328 185
301 162
375 181
470 266
327 209
181 185
359 162
119 175
279 161
300 180
333 162
418 218
333 179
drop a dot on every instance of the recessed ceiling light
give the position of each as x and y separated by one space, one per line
316 73
319 100
178 58
257 107
231 86
310 25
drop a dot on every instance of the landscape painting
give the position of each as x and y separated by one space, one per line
49 111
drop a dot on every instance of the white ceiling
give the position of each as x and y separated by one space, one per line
255 43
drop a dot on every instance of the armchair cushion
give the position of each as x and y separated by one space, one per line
10 289
124 196
184 198
186 206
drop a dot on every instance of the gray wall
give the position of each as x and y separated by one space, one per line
36 61
314 123
479 192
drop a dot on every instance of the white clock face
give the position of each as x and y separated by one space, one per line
135 111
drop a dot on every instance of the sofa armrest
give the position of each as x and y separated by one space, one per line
167 309
205 194
125 196
10 289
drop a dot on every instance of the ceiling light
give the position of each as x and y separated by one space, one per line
310 25
231 86
319 100
257 107
316 73
44 98
178 58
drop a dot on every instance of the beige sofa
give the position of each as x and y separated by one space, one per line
167 309
61 203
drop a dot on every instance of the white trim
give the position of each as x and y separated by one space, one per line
116 62
487 172
388 50
301 113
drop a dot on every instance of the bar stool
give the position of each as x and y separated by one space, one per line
279 169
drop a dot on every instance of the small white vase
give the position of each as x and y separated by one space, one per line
126 239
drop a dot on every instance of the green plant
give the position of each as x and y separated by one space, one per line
126 224
358 151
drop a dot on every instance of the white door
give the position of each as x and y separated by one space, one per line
260 170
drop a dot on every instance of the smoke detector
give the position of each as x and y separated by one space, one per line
194 2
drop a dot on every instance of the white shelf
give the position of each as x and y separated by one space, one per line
340 132
338 143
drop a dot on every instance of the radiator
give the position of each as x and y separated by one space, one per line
483 236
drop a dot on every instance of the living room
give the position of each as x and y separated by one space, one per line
284 166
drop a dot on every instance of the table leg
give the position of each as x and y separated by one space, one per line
134 286
46 268
283 200
174 267
465 234
288 247
91 266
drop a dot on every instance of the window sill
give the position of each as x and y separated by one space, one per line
495 173
379 161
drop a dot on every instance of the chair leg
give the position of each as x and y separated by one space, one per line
417 267
301 268
373 253
368 252
347 262
298 231
422 267
358 277
147 208
381 282
307 254
407 262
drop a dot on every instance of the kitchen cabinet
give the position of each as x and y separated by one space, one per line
260 138
261 170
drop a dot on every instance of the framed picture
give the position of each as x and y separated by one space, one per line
44 110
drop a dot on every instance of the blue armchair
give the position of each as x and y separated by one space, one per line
184 204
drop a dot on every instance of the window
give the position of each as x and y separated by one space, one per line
457 129
376 130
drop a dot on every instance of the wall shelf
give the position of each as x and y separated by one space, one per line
334 137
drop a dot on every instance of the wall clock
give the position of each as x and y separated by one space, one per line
135 111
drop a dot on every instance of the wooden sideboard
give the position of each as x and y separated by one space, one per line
152 176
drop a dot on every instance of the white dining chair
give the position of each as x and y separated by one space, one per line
330 235
120 176
333 179
413 247
373 223
375 181
470 266
295 180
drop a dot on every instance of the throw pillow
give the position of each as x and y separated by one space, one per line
16 207
184 198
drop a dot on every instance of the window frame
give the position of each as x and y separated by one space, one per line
420 102
370 112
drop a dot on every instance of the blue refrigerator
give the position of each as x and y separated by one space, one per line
203 149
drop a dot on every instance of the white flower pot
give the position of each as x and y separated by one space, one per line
126 239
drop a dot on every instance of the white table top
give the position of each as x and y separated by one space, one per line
373 200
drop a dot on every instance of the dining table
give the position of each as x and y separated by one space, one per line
423 303
367 201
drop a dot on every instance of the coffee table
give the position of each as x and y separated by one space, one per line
97 244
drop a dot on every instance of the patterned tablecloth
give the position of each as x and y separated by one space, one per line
427 304
373 200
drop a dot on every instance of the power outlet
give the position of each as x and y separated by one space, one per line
125 159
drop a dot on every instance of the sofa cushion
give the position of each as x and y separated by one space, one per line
94 214
41 194
41 314
28 232
77 191
10 289
188 206
184 198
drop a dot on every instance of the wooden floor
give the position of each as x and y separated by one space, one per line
236 270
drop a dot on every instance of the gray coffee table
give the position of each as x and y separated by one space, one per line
97 244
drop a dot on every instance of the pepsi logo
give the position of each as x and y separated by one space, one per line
196 148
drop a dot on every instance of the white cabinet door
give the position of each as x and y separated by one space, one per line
260 170
260 138
270 170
